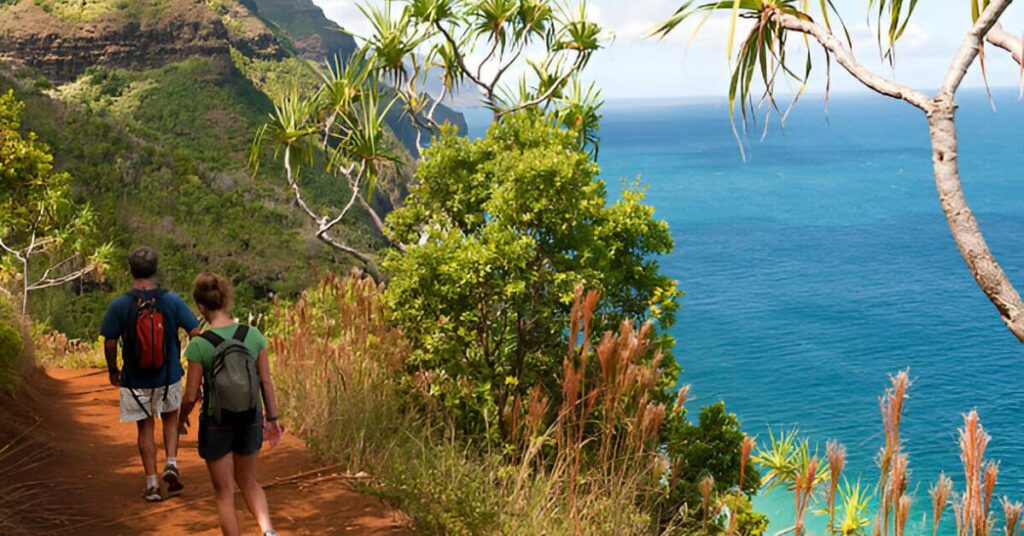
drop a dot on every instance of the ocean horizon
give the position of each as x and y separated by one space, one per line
823 264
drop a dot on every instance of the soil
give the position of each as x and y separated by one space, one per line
83 470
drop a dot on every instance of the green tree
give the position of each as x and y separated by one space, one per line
46 238
709 447
500 232
762 58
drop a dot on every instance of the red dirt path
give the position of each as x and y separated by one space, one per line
91 477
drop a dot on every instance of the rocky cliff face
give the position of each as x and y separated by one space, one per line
314 36
62 49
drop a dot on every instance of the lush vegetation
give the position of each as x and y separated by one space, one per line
47 239
87 10
124 138
486 261
583 455
11 346
499 233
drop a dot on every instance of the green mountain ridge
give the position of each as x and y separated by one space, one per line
156 135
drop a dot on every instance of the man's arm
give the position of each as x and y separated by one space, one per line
110 353
186 319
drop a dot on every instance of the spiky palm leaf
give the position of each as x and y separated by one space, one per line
763 54
291 125
394 38
893 18
578 111
362 136
854 500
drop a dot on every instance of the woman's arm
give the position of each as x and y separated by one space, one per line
273 426
191 396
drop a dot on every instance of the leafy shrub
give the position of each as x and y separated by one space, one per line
500 232
10 353
11 346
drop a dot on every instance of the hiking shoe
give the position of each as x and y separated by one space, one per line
152 495
173 479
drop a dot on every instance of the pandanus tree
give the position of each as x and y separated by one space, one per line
763 59
341 127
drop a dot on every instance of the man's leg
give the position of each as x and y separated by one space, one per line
147 450
170 422
170 415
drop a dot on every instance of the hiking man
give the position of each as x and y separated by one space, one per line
146 321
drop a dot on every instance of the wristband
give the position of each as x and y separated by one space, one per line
271 419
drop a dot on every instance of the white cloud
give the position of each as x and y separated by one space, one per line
347 14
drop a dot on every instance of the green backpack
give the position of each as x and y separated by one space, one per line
233 393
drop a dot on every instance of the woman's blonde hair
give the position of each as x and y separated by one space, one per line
213 291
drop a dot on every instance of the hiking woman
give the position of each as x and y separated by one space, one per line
231 424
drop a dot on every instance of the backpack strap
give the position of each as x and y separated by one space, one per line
241 333
212 338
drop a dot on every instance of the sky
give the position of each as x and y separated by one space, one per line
683 65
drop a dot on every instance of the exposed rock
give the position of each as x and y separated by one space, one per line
63 49
314 36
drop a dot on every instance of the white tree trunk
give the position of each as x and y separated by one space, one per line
941 113
962 223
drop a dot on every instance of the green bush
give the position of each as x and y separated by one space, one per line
11 347
502 230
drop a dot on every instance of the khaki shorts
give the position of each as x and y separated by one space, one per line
139 404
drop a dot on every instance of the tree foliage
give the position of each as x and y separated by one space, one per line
501 231
42 227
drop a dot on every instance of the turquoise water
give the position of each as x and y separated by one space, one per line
824 264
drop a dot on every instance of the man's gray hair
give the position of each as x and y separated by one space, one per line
142 262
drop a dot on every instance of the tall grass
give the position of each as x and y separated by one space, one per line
586 463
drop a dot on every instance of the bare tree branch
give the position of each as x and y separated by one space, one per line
1005 40
378 222
6 248
323 225
844 56
972 46
54 282
462 62
576 65
57 266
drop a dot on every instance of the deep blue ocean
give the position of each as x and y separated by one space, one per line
824 264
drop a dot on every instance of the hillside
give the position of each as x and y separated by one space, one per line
151 106
61 39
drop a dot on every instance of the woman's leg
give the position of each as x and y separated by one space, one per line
245 476
221 471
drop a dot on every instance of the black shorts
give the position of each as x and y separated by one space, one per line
217 440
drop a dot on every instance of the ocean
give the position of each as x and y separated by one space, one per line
823 264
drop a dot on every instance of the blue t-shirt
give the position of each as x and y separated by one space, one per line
177 316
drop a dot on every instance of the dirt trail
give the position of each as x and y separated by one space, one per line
93 479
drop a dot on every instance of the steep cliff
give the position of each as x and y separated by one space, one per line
313 35
62 43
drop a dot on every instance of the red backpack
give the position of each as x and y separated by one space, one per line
144 338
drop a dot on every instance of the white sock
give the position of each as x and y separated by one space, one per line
172 461
151 481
